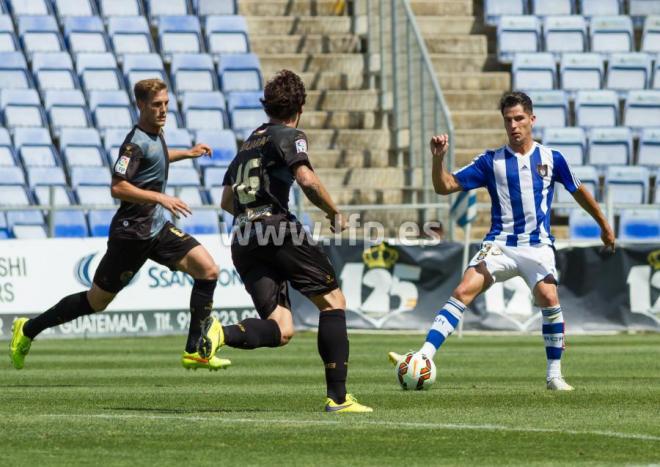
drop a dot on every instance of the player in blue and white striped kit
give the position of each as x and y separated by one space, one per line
520 179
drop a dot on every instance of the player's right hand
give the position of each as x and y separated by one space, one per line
439 145
607 236
175 206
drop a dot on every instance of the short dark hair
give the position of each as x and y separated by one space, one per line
284 95
146 88
512 99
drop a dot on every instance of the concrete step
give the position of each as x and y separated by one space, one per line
335 158
452 63
343 63
286 7
362 100
442 8
312 43
331 80
282 25
373 140
452 44
449 25
487 81
476 119
338 119
362 177
472 100
486 139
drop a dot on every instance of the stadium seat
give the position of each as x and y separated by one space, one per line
8 39
651 35
90 176
179 138
628 71
656 199
85 34
627 184
75 8
157 8
581 226
179 34
227 222
62 195
611 34
550 108
205 8
81 147
7 154
213 177
54 70
190 195
67 109
641 225
29 7
534 71
111 8
571 142
14 195
4 228
642 109
182 176
14 71
21 108
591 8
226 35
35 147
113 138
582 71
141 66
554 7
95 194
99 222
193 72
45 176
39 34
649 148
130 35
98 72
26 224
245 112
640 9
12 176
239 72
204 110
596 108
655 81
223 143
494 9
589 178
201 222
69 223
564 34
610 146
111 109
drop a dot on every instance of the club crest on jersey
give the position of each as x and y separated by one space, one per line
301 145
122 165
542 169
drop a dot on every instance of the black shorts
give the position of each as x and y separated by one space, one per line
266 269
124 257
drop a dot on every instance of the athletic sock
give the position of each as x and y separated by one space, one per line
201 304
67 309
553 335
253 333
333 348
444 324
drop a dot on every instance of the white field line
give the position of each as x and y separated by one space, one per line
355 423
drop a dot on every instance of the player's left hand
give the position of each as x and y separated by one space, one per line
201 149
607 236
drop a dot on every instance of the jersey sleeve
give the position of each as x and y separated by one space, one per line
473 175
128 161
228 179
563 174
294 149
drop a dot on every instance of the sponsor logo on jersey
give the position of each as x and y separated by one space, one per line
301 145
122 165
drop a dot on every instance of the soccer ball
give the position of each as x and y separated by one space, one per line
415 371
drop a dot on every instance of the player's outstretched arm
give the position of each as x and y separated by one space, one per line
197 150
589 204
444 183
126 191
315 191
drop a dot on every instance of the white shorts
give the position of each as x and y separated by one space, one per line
532 263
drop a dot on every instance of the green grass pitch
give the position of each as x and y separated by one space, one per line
128 402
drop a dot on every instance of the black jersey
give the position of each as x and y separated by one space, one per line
261 174
144 162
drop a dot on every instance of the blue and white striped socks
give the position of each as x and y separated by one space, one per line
444 324
553 335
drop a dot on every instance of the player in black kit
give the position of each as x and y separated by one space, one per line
140 231
256 192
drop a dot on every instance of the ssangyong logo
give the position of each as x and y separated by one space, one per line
86 267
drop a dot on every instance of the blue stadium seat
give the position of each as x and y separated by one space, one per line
656 199
554 7
611 34
98 72
564 34
190 195
627 184
204 110
14 195
99 222
205 8
130 35
651 35
7 154
66 9
227 222
67 109
112 8
157 8
201 222
640 9
90 176
82 147
54 70
239 72
581 226
245 112
12 176
582 71
628 71
179 34
215 194
589 177
550 108
655 81
494 9
8 39
111 109
193 72
534 71
649 148
642 109
610 146
85 34
29 7
182 176
517 34
213 176
226 35
26 224
39 34
591 8
223 143
70 224
62 195
4 228
14 71
94 194
45 176
174 120
641 225
597 108
141 66
571 142
35 147
179 138
113 138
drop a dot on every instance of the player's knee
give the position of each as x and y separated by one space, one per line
338 300
211 272
97 302
547 298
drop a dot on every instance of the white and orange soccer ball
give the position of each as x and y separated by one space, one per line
415 371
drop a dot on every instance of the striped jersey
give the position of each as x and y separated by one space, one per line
521 188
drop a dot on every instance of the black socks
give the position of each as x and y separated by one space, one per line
333 348
201 304
67 309
253 333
